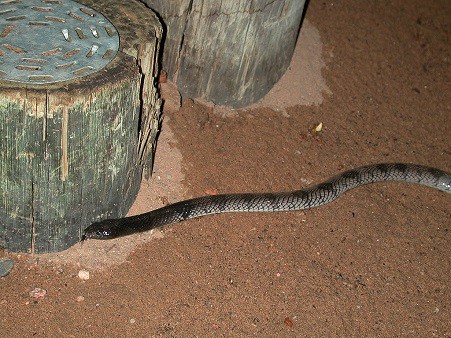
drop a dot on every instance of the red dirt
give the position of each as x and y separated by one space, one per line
376 262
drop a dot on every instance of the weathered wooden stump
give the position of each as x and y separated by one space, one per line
72 144
230 52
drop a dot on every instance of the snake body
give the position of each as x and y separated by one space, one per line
311 197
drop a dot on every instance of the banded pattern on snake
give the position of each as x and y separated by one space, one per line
315 196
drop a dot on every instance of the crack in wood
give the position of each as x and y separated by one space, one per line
150 106
33 227
64 161
181 49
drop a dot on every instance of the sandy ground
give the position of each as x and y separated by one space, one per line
374 263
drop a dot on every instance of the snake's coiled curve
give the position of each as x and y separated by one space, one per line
315 196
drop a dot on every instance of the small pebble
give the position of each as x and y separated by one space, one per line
163 77
6 265
80 298
83 274
38 293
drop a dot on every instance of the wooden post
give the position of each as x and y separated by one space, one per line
230 52
72 152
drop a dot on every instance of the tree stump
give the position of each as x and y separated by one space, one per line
231 52
72 145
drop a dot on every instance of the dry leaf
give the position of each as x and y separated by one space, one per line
288 322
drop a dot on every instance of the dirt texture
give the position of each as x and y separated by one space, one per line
374 263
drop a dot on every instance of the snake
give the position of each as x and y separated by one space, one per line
311 197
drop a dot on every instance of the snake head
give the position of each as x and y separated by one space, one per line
101 230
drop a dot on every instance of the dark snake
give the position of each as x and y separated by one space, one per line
311 197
